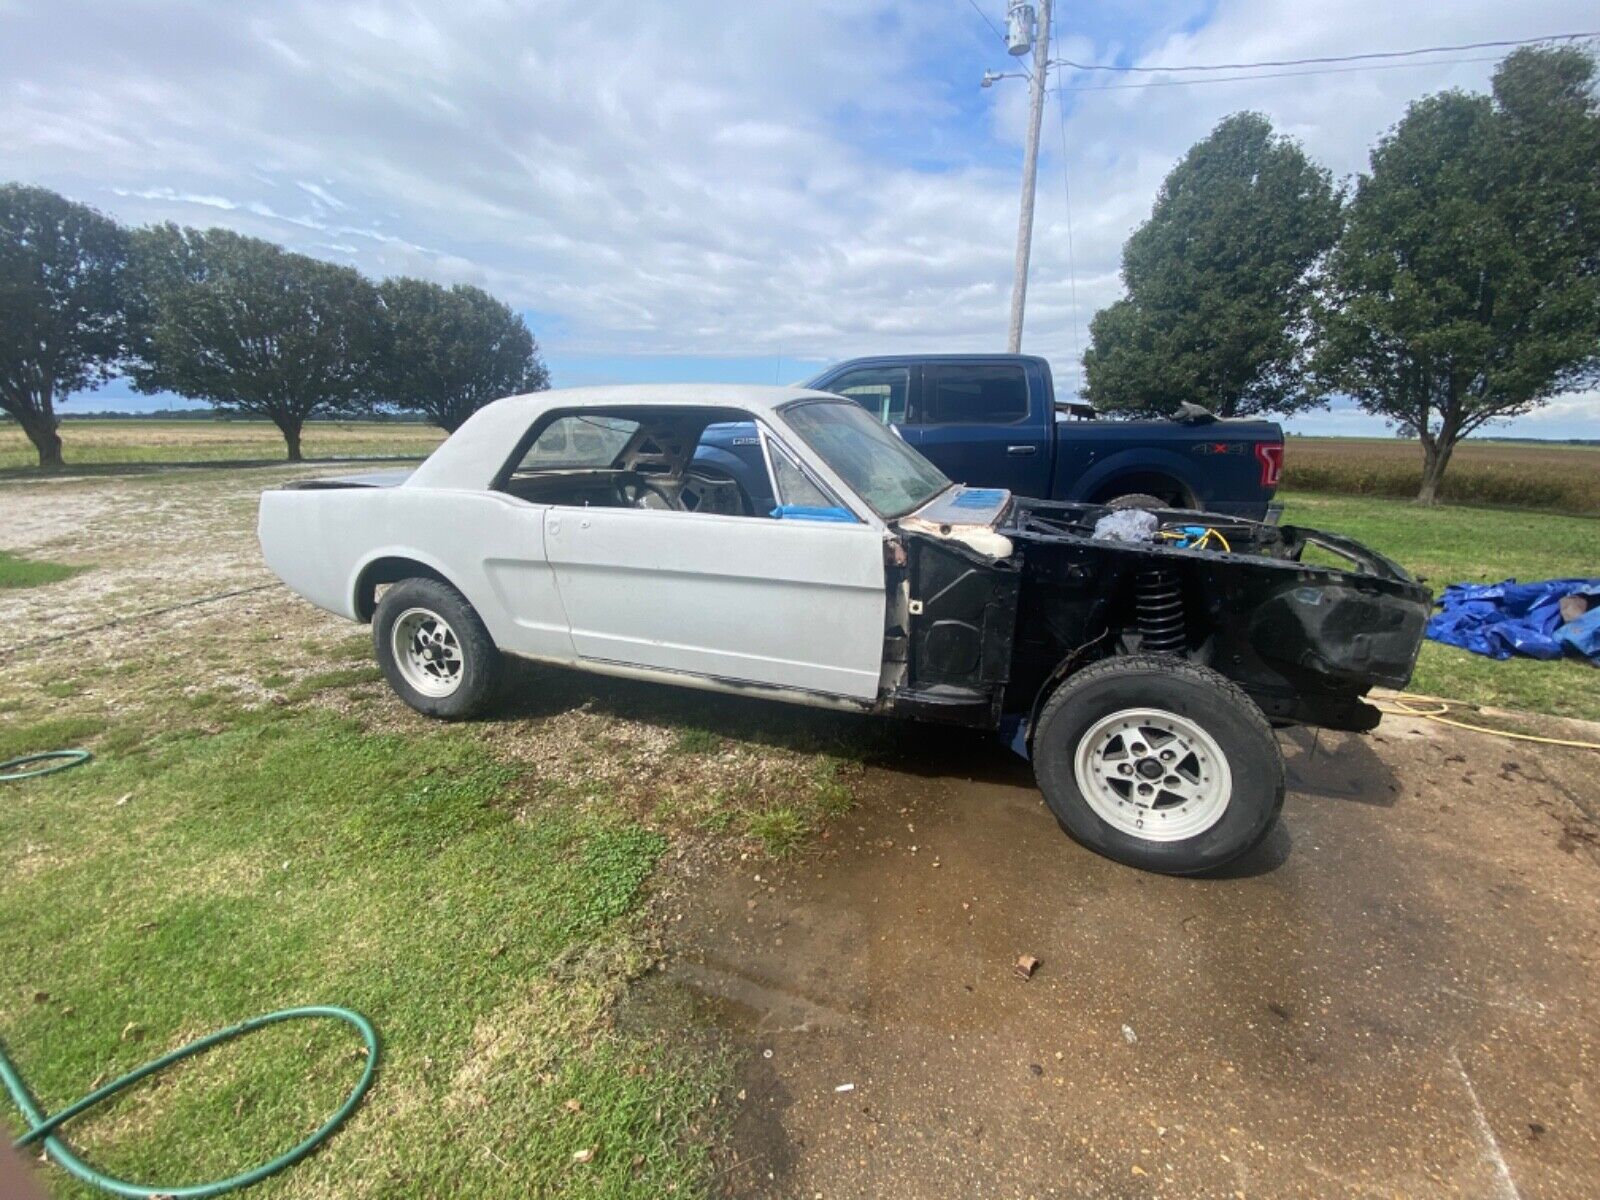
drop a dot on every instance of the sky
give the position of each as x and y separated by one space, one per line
702 190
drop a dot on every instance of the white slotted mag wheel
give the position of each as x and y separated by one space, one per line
427 652
1153 774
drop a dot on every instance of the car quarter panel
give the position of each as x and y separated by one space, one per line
488 546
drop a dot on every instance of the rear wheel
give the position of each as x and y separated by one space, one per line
434 650
1159 763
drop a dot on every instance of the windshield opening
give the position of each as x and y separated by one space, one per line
880 468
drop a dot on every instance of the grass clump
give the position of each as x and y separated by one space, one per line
336 680
695 741
780 829
19 572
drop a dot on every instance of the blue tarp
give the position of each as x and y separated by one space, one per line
1502 619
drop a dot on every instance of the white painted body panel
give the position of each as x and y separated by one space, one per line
796 604
792 608
489 546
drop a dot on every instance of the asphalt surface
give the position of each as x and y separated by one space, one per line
1397 996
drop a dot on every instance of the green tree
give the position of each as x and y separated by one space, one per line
453 350
1218 281
62 323
1466 287
253 328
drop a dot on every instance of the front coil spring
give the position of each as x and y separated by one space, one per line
1160 609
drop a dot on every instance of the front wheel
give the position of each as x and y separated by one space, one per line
1158 763
434 650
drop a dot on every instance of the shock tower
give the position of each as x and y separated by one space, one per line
1160 611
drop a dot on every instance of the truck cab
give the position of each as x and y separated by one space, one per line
993 420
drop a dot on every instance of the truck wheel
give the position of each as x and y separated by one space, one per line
434 650
1137 500
1158 763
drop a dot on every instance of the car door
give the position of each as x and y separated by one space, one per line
981 424
786 603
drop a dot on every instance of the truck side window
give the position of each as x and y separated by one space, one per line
980 394
881 391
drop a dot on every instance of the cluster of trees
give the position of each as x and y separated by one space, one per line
236 321
1456 282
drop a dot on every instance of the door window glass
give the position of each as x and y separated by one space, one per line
881 391
793 486
980 394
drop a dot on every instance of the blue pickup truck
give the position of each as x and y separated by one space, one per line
992 420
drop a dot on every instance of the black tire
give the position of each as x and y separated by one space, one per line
1194 695
1137 500
479 669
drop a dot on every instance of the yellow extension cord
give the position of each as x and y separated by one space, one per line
1400 705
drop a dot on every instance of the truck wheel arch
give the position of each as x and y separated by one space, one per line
1167 488
389 568
1157 472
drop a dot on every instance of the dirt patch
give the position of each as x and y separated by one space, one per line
1384 1001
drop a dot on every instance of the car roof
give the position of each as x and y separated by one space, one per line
472 454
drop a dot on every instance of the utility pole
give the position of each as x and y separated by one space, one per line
1030 162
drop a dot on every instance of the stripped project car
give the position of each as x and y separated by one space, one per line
1143 678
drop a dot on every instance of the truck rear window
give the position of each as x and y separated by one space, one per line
980 394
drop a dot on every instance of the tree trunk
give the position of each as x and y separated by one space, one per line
291 438
1435 458
41 431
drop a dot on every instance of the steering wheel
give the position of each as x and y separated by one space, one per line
642 493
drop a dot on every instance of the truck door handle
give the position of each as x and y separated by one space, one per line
1022 451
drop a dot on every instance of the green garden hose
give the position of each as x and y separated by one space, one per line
57 760
42 1129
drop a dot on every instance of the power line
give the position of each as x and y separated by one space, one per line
1027 74
1332 58
1122 87
986 20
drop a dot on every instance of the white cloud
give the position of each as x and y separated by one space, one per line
806 179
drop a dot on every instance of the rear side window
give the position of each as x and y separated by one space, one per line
981 394
882 391
578 440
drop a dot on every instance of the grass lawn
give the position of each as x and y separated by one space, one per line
185 880
19 572
1451 544
264 825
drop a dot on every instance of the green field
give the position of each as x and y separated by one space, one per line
101 443
1450 544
